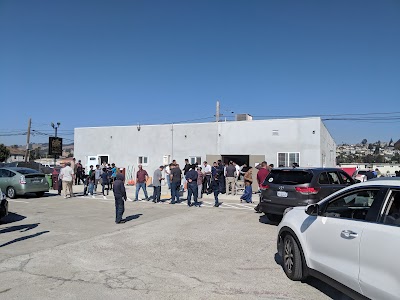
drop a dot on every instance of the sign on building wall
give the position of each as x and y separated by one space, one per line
55 146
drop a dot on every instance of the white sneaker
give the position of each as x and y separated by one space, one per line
93 197
104 197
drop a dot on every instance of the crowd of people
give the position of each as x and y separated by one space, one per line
196 180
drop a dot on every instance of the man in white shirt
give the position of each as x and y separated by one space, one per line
207 177
67 176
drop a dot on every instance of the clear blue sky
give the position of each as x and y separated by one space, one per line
96 63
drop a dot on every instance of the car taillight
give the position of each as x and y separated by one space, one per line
307 190
22 180
264 187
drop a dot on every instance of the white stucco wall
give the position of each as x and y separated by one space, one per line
328 148
125 143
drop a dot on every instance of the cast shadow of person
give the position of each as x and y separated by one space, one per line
132 217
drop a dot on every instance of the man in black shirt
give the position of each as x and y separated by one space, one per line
176 177
191 177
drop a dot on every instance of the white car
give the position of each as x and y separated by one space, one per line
350 239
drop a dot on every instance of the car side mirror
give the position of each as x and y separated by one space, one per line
312 210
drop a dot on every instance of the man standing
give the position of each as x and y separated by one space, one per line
262 174
191 177
157 184
200 177
141 179
97 176
207 177
221 177
120 197
185 169
230 174
78 173
176 177
67 176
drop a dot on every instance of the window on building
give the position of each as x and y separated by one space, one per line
286 159
143 160
195 160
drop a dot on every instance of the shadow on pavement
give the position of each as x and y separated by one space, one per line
11 218
20 228
264 219
23 238
132 217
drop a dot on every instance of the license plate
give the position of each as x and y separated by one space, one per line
281 194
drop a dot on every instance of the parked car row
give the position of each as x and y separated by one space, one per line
346 234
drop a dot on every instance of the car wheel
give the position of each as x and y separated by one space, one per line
274 218
292 259
11 192
39 194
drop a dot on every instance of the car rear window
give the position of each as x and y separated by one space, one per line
290 177
26 171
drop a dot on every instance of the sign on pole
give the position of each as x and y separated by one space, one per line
55 146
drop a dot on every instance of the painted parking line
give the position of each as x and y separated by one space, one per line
10 200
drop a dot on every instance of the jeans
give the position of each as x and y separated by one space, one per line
206 183
247 195
168 181
216 197
119 209
200 191
103 187
175 191
157 194
192 190
143 186
91 187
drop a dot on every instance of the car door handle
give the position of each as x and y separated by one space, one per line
349 234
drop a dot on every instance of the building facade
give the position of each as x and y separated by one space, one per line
282 142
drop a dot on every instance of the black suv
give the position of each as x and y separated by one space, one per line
288 187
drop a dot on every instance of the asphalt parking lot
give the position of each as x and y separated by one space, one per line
56 248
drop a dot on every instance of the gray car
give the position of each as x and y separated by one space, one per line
20 181
289 187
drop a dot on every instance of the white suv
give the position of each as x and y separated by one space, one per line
350 239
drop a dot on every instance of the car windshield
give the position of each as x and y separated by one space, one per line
26 171
290 177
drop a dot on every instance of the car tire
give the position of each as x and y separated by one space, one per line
292 261
274 218
11 192
39 194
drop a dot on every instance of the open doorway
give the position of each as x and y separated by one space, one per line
103 159
238 159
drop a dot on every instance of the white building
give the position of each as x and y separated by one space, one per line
278 141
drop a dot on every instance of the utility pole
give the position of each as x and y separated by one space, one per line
217 113
28 136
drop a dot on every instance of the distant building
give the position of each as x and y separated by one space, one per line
15 155
305 141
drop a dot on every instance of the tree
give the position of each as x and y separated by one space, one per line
397 145
4 153
364 141
376 152
370 147
391 142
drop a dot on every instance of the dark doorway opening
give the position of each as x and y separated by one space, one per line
238 159
103 159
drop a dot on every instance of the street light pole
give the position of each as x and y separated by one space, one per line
55 135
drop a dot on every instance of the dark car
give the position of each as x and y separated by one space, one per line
288 187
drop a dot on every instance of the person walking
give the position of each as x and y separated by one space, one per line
105 182
248 191
141 179
230 174
120 197
157 177
60 186
67 176
191 178
215 189
261 176
200 179
176 177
